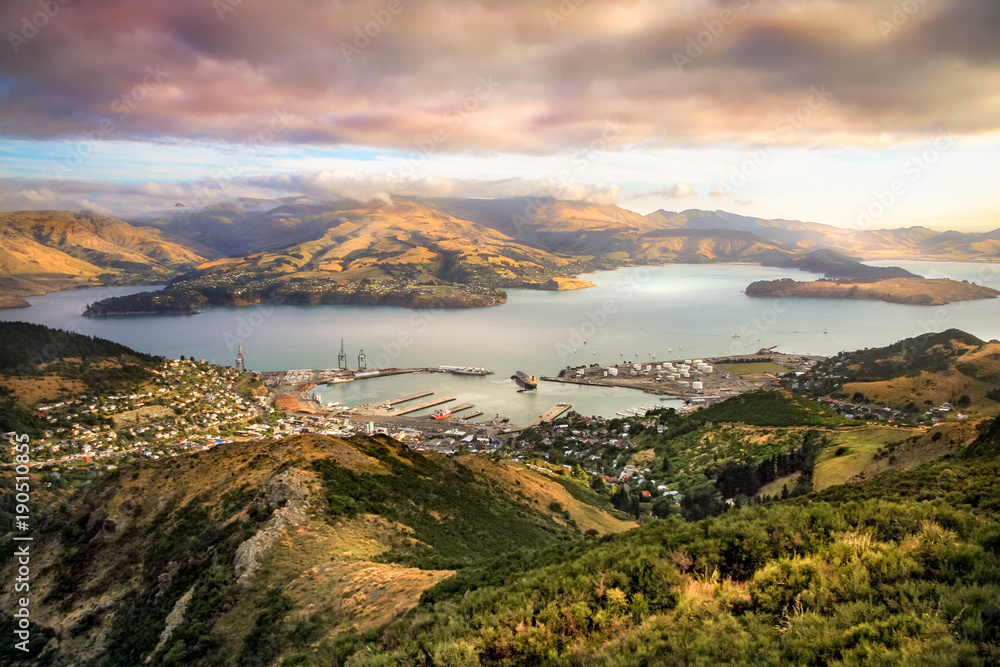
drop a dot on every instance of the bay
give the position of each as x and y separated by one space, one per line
645 314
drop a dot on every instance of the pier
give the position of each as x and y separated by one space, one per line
429 404
404 399
549 414
463 406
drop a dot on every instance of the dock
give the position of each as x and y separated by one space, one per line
429 404
465 418
463 406
549 414
404 399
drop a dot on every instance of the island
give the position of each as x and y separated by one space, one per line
188 297
915 291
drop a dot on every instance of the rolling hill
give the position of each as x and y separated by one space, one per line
451 252
916 374
210 558
43 251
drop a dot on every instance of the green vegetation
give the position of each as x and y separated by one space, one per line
754 368
771 408
903 569
27 347
32 350
454 519
932 352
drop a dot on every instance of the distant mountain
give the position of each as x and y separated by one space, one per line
420 245
42 251
399 253
795 235
608 230
252 225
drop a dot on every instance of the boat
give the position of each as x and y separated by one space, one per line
526 381
341 379
464 370
441 414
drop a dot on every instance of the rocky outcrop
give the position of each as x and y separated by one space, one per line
286 497
174 619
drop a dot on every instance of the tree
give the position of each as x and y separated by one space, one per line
963 401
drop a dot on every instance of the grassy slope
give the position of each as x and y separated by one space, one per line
898 570
123 551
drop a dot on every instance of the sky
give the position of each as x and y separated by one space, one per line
859 113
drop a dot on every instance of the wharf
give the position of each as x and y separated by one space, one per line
549 414
428 404
404 399
463 406
464 418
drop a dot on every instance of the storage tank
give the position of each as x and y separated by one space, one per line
612 371
682 383
707 369
697 385
685 374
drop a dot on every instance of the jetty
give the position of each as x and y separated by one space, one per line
404 399
428 404
549 414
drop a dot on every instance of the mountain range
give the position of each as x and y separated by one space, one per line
457 249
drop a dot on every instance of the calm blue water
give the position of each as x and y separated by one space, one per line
676 311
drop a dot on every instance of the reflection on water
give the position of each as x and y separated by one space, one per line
643 314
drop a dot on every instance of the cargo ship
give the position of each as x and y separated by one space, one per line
441 414
526 381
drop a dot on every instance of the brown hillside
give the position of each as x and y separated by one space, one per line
42 251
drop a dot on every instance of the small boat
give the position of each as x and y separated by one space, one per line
441 414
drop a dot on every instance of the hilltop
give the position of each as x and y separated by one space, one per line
916 375
247 552
38 363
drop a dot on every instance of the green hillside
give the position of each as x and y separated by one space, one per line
900 570
771 408
266 548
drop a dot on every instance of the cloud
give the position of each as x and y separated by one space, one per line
153 198
718 192
677 191
495 74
